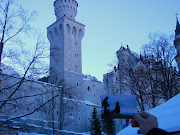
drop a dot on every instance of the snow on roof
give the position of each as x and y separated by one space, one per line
8 70
168 115
91 78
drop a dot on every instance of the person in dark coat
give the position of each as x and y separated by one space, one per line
105 105
117 108
148 124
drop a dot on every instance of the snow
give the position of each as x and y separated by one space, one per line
89 103
8 70
168 115
91 78
21 133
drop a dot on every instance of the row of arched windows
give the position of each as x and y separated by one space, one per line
70 31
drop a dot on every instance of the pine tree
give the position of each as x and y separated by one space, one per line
95 124
109 126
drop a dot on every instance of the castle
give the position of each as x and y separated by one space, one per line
65 36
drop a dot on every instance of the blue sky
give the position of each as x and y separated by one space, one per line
109 24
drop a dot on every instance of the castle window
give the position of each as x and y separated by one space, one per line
68 28
69 76
74 31
70 97
69 59
69 47
55 32
79 119
88 88
57 112
116 79
51 35
94 95
97 103
76 66
65 0
14 106
27 108
69 69
77 84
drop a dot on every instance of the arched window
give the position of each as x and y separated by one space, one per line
88 88
60 28
80 34
55 32
68 28
51 35
74 31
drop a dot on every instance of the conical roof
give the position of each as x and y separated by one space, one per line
177 31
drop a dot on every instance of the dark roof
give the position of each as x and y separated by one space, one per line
177 31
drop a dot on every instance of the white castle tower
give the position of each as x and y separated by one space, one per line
65 37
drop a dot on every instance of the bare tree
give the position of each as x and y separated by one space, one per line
164 75
151 76
14 21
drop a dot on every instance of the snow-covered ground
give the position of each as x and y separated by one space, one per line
21 133
168 115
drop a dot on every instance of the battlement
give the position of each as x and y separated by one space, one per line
66 8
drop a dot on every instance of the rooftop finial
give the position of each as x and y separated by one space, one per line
176 16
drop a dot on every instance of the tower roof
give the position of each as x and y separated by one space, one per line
177 31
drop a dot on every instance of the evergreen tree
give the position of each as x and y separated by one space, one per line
109 126
95 124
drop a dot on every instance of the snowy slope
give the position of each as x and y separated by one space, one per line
168 115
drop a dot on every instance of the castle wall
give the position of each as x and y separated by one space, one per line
78 109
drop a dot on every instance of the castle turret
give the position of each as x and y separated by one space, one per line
66 8
177 43
65 37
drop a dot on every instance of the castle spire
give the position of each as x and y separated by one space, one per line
177 31
177 43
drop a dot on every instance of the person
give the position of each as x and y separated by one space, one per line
148 124
117 108
105 105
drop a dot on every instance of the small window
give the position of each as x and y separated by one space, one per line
69 59
69 76
69 69
116 79
57 112
27 108
69 48
97 103
77 84
94 95
14 106
88 88
70 97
